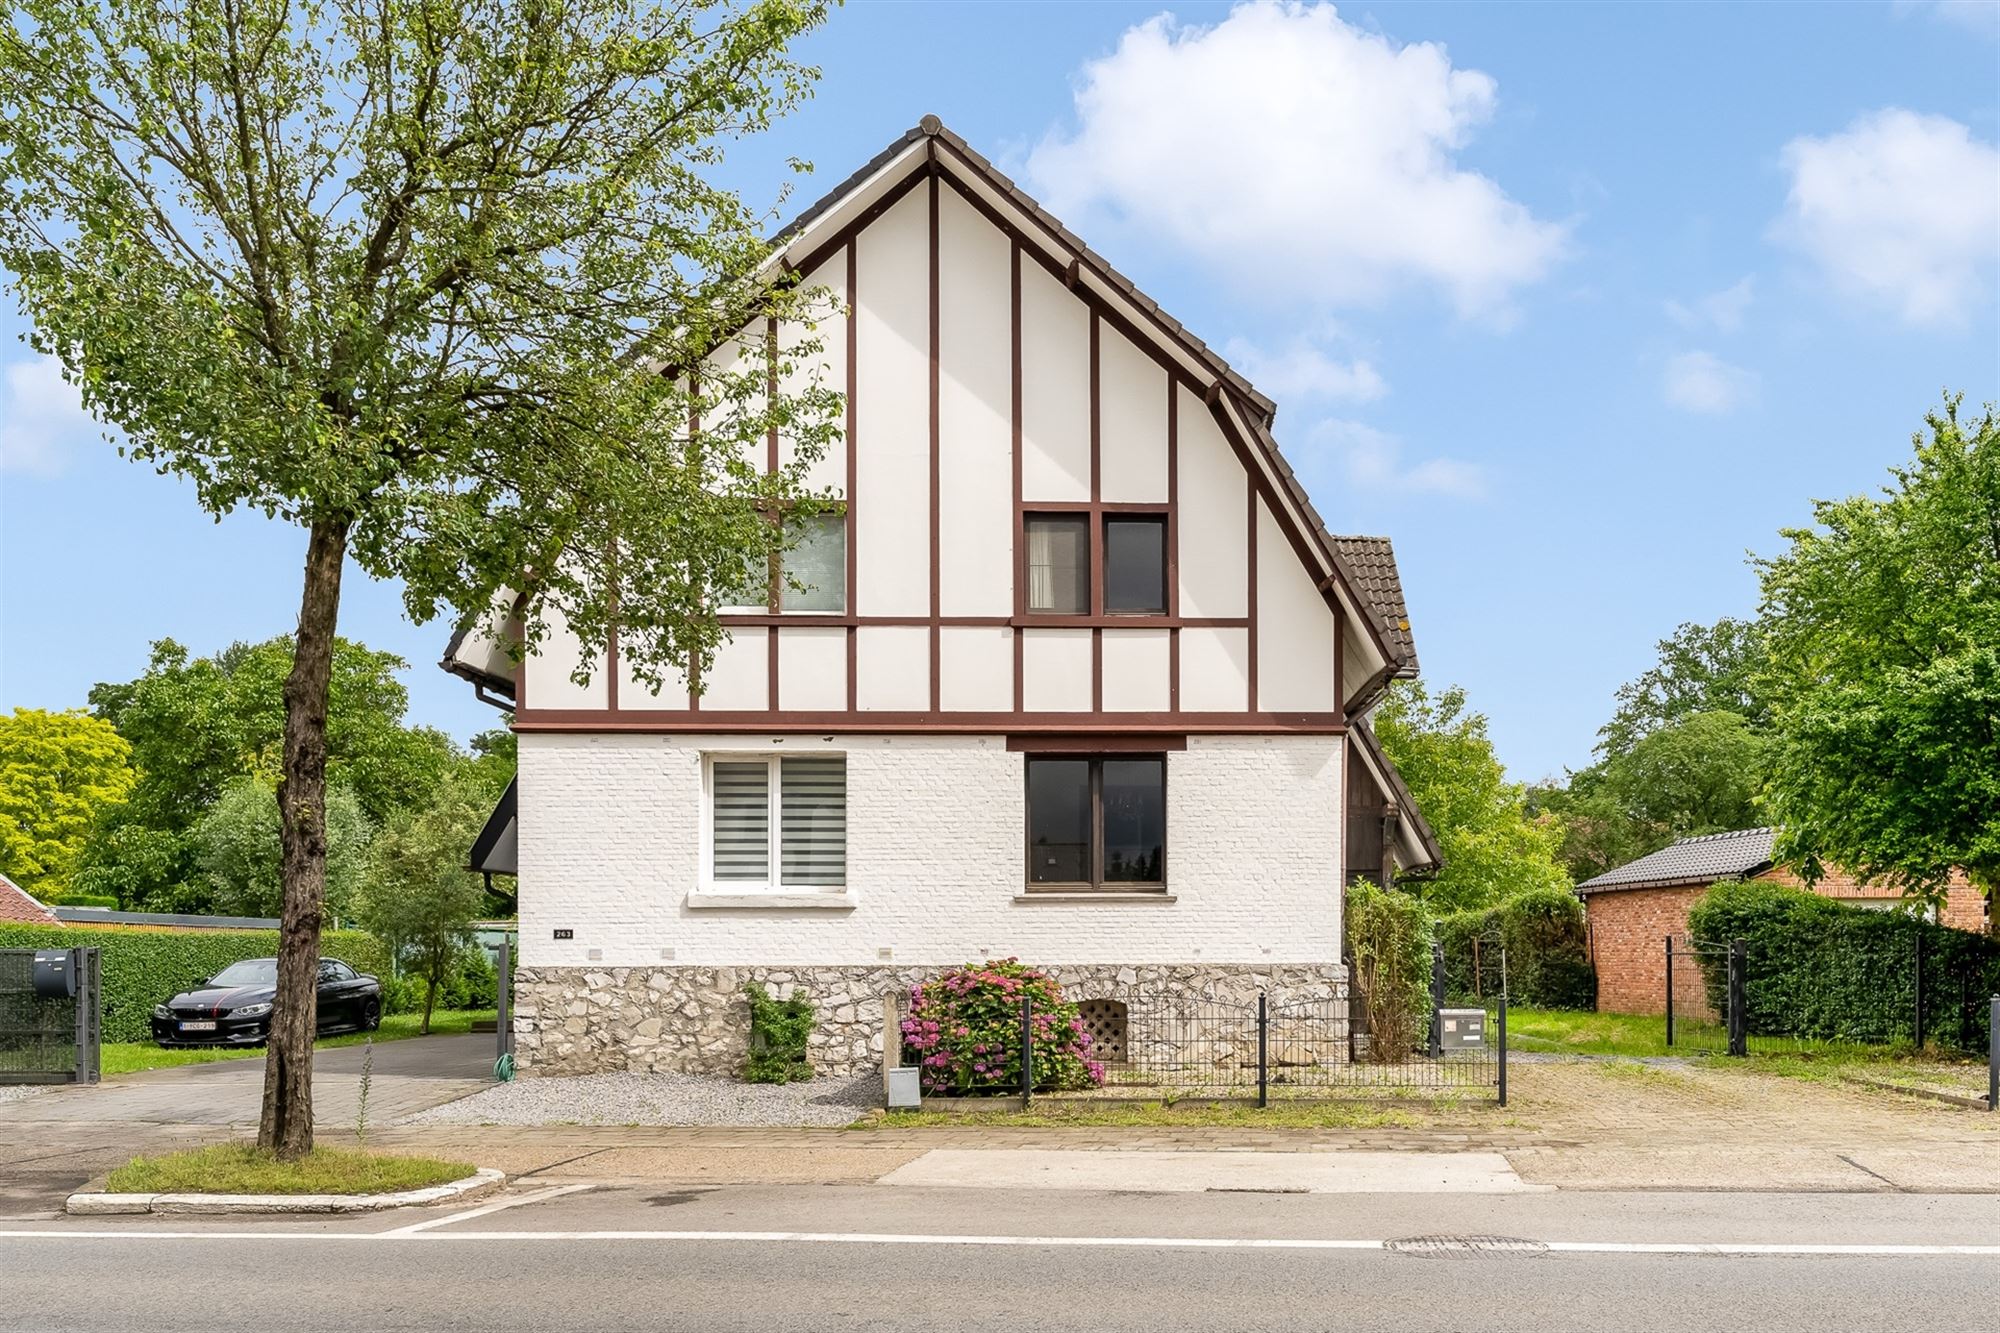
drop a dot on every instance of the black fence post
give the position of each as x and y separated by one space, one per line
1437 998
1263 1051
1919 1026
1739 1027
1993 1055
1503 1048
1027 1051
1670 990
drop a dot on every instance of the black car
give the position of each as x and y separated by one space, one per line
233 1007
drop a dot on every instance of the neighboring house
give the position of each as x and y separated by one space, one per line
20 907
1633 908
1081 678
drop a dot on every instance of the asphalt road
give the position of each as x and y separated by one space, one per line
883 1257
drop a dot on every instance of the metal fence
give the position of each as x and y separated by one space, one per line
49 1039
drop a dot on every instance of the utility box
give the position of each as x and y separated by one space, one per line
1461 1029
905 1092
55 974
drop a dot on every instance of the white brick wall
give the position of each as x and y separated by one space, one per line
610 839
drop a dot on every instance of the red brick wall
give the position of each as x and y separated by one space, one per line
1628 946
1964 906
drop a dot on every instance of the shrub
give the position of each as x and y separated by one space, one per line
1389 937
780 1031
1547 944
142 968
471 983
965 1030
1822 969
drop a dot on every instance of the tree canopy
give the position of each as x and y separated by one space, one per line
419 896
59 774
1883 625
1700 669
1494 845
236 849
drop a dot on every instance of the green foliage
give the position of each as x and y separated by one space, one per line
780 1031
59 773
236 849
1494 845
964 1028
1548 951
1701 669
418 896
142 968
1389 938
1883 620
1820 968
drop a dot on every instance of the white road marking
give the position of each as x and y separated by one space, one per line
496 1206
1725 1248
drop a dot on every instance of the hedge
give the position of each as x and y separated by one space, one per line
1548 951
142 968
1819 968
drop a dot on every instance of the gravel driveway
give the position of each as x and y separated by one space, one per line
659 1099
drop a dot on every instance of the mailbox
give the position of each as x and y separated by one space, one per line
1461 1029
55 974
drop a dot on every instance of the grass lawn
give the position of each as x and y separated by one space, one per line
1586 1033
128 1057
242 1168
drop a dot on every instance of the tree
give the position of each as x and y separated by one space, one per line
1883 620
404 274
1701 669
1494 845
419 896
59 772
236 846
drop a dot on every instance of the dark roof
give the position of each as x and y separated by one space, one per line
1371 568
495 828
104 916
1701 860
1399 790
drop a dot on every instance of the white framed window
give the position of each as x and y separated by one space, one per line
775 823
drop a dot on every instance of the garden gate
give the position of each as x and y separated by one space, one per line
51 1015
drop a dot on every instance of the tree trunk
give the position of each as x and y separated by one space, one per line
286 1126
430 1003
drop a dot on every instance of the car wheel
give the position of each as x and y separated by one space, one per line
371 1016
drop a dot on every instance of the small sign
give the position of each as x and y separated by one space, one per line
563 934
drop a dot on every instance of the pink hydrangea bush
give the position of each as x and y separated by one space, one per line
964 1031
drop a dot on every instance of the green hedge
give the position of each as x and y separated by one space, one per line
1548 951
1816 967
142 968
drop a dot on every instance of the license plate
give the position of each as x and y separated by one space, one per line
202 1025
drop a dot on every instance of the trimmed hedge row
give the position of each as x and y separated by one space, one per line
141 968
1819 968
1548 952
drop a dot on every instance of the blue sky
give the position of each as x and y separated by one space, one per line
1579 304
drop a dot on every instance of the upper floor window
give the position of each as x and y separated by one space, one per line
817 561
777 822
1129 553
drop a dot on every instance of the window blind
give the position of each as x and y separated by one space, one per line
813 820
742 820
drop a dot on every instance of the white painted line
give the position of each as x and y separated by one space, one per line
1727 1248
494 1207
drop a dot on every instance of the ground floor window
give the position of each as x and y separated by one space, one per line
1097 823
777 822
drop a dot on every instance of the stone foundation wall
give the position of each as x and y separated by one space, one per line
695 1020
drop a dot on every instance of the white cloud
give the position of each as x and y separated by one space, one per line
1373 460
1722 311
1303 371
1702 382
1899 209
41 417
1300 155
1980 16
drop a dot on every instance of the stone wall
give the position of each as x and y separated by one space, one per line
577 1020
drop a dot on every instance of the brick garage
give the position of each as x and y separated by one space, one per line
1631 910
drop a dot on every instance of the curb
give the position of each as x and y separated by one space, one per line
98 1204
1931 1094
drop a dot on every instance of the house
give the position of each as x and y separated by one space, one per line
1632 909
19 907
1082 678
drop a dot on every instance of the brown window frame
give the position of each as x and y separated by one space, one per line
1096 759
1096 516
774 574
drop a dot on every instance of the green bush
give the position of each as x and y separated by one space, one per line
964 1029
1389 937
471 984
142 968
779 1033
1819 968
1547 944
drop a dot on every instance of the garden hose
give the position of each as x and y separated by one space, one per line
503 1068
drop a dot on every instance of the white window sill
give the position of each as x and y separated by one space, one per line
842 900
1106 896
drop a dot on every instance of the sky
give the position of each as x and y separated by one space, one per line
1579 304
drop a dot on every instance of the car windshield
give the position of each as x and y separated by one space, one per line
251 972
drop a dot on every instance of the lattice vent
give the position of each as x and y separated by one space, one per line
1105 1021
